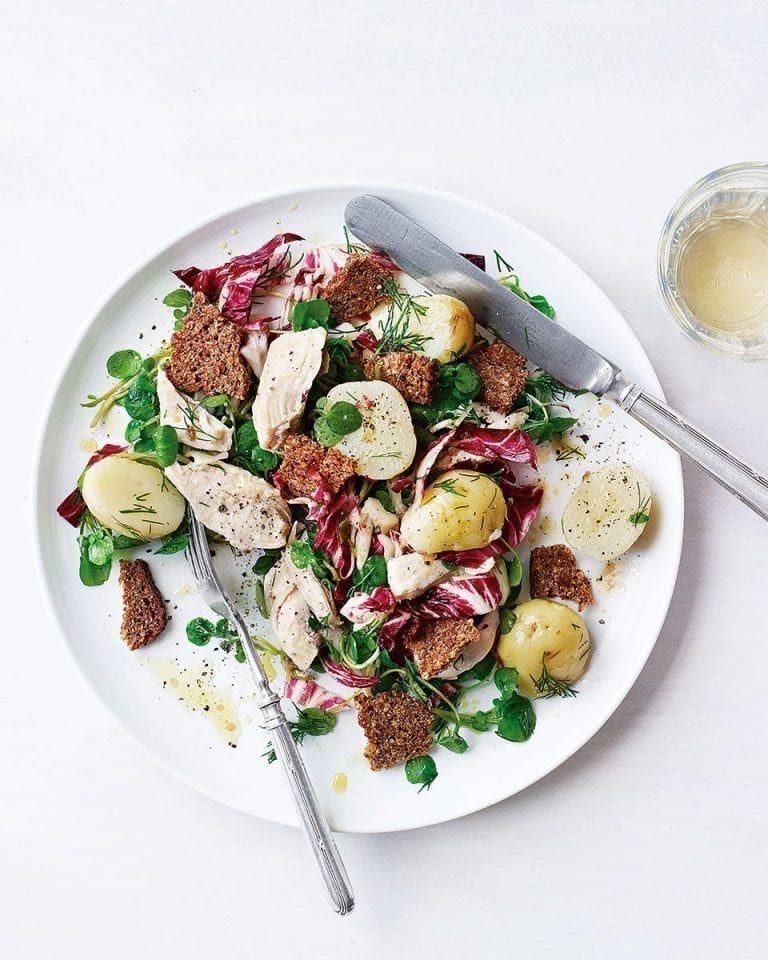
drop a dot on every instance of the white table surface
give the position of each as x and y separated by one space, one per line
122 122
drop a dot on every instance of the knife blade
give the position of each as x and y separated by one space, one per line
441 269
547 344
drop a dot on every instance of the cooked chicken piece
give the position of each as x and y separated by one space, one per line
293 362
498 421
411 574
293 594
380 517
246 510
254 350
193 423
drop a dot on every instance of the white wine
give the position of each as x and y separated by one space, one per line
721 271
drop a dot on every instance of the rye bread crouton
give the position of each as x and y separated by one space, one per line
503 373
438 643
306 463
144 615
414 375
554 574
397 727
357 288
205 354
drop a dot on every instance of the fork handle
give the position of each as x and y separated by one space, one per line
310 812
738 477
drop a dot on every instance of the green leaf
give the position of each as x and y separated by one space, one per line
517 721
93 575
141 400
133 430
372 574
324 435
309 314
216 400
384 497
173 543
457 385
540 431
266 561
166 443
200 631
261 600
452 741
507 619
246 438
124 364
121 542
421 770
178 298
506 679
99 547
481 671
343 418
305 558
264 460
481 721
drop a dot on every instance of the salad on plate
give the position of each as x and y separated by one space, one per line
372 451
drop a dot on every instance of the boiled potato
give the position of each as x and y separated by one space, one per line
131 498
385 443
545 634
460 510
608 511
446 324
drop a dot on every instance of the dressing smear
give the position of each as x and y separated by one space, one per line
722 265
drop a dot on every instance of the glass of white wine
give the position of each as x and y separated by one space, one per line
713 261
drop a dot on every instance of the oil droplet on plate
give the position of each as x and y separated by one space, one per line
339 783
604 410
89 445
269 666
192 686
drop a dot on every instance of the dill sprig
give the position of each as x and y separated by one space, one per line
395 331
310 722
640 515
549 686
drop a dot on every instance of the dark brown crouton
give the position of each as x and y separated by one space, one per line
439 642
306 463
554 574
413 374
397 727
205 354
503 373
357 288
144 616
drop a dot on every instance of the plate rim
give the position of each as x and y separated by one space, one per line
49 416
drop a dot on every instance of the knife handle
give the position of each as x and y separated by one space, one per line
738 477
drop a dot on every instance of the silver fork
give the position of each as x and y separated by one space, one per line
313 819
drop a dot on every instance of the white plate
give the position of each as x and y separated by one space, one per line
632 601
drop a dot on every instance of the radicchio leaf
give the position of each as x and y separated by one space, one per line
350 678
363 607
232 284
464 596
307 693
72 507
328 516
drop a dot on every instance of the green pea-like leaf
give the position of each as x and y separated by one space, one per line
166 442
421 770
343 418
124 364
200 631
309 314
517 720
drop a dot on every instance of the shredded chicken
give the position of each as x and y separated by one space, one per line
293 594
193 423
293 361
382 520
246 510
411 574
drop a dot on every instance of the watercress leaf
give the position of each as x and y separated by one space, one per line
372 574
246 438
141 400
481 671
263 460
121 542
453 742
178 298
517 719
124 364
199 631
384 497
223 629
507 618
100 547
480 721
216 400
514 570
173 543
323 433
166 442
506 679
93 575
309 314
343 418
421 770
304 557
266 561
144 446
133 430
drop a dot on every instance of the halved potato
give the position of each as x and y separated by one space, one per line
447 326
132 498
608 512
460 510
548 645
385 444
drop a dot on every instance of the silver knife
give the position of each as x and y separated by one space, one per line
546 344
